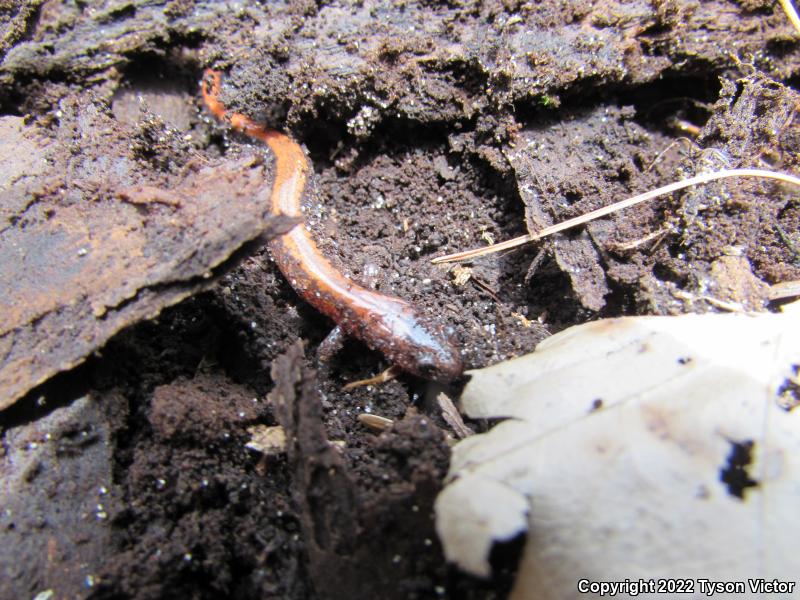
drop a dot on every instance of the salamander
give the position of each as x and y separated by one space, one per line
408 339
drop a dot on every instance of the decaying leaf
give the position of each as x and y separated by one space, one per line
85 251
635 448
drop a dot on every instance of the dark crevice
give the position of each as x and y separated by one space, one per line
59 391
663 273
657 104
157 70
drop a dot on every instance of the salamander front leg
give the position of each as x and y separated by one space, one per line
327 349
332 343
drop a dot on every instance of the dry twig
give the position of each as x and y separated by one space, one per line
790 11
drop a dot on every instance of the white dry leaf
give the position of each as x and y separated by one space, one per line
646 447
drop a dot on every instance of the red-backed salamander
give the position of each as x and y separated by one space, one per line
390 325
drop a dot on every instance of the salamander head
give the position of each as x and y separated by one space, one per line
441 362
420 346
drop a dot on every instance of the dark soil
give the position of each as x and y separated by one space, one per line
432 128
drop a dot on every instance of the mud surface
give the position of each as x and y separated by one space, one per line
127 468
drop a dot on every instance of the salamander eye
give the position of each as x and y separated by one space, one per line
426 368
